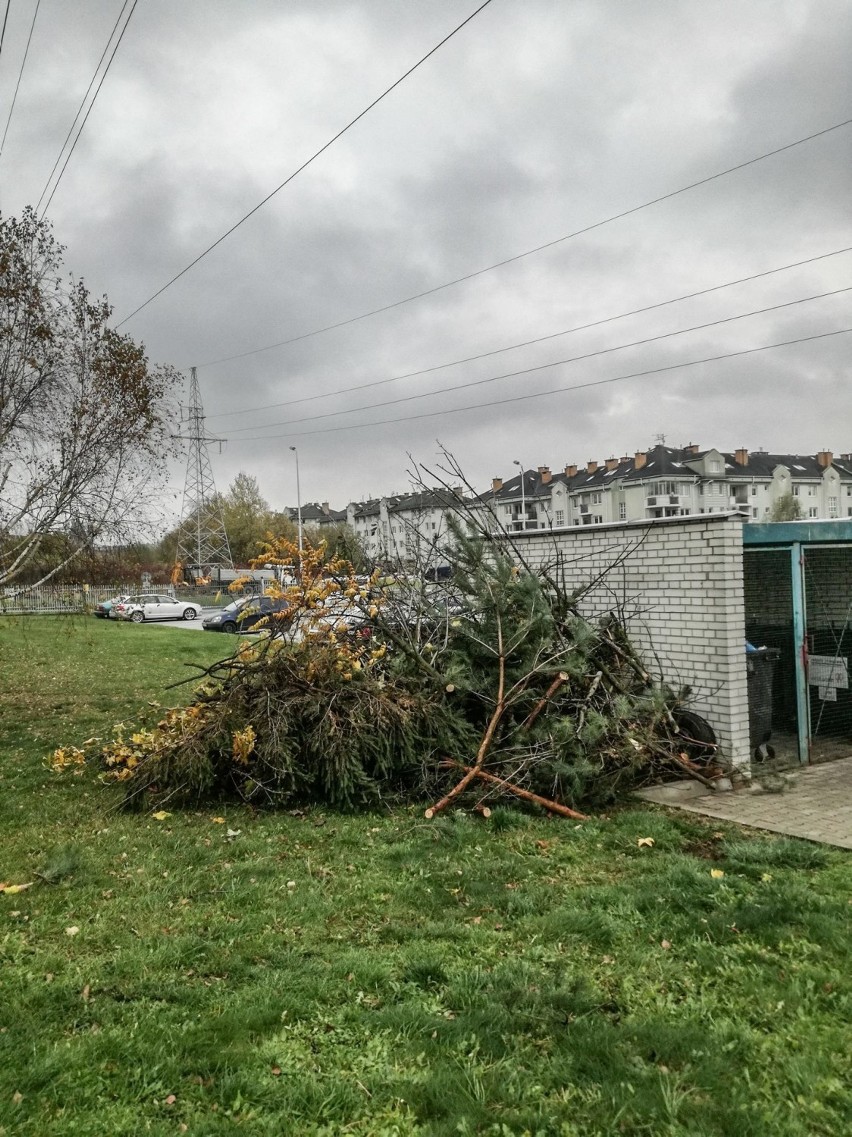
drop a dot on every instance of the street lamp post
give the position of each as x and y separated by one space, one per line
298 506
516 462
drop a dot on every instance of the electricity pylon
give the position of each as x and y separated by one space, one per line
202 538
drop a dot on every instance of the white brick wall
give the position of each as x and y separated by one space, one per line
679 585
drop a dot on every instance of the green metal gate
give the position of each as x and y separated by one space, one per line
798 604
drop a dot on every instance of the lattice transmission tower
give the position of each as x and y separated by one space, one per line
202 538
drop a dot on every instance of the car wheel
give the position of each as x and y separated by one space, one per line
137 617
229 626
190 613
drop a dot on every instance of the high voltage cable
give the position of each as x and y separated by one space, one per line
5 18
529 343
554 363
517 256
83 103
307 163
545 394
20 76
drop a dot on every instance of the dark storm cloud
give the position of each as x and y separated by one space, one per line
535 121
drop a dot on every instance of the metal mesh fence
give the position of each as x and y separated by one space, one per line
828 624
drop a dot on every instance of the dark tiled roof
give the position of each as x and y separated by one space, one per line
439 498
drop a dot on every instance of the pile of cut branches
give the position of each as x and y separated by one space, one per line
492 688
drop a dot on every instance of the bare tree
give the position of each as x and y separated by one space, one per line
83 417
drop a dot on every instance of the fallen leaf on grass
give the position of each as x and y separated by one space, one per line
161 815
17 1098
233 833
13 889
85 993
717 874
218 820
665 944
171 1099
72 931
276 1070
645 842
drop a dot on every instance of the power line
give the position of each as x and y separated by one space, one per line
517 256
5 18
545 394
89 111
531 342
82 104
307 163
554 363
20 75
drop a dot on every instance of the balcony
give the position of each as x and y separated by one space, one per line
659 501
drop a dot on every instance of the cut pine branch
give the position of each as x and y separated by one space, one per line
561 678
527 795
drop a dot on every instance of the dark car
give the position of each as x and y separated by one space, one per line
103 610
241 615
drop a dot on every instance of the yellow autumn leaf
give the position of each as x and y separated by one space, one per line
717 874
13 889
218 820
645 842
161 815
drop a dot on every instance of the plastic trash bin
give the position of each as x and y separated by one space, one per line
760 667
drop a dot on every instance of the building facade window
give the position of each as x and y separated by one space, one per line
832 507
560 516
622 511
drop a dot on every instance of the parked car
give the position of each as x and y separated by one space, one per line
241 615
155 606
104 609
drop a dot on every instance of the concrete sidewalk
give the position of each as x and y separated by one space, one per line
818 806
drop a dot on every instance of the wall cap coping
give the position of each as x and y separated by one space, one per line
649 523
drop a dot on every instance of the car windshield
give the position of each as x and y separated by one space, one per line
236 605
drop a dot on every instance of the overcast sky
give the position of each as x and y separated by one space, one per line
538 119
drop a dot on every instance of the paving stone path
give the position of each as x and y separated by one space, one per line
818 806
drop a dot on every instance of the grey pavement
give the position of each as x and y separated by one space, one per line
817 805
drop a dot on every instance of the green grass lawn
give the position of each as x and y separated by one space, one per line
222 971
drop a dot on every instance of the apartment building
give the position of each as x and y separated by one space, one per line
669 482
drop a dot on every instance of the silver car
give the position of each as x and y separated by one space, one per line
156 606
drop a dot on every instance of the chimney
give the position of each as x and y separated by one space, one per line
692 448
570 471
611 463
591 466
825 458
324 508
624 458
639 459
741 457
545 474
846 457
496 484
